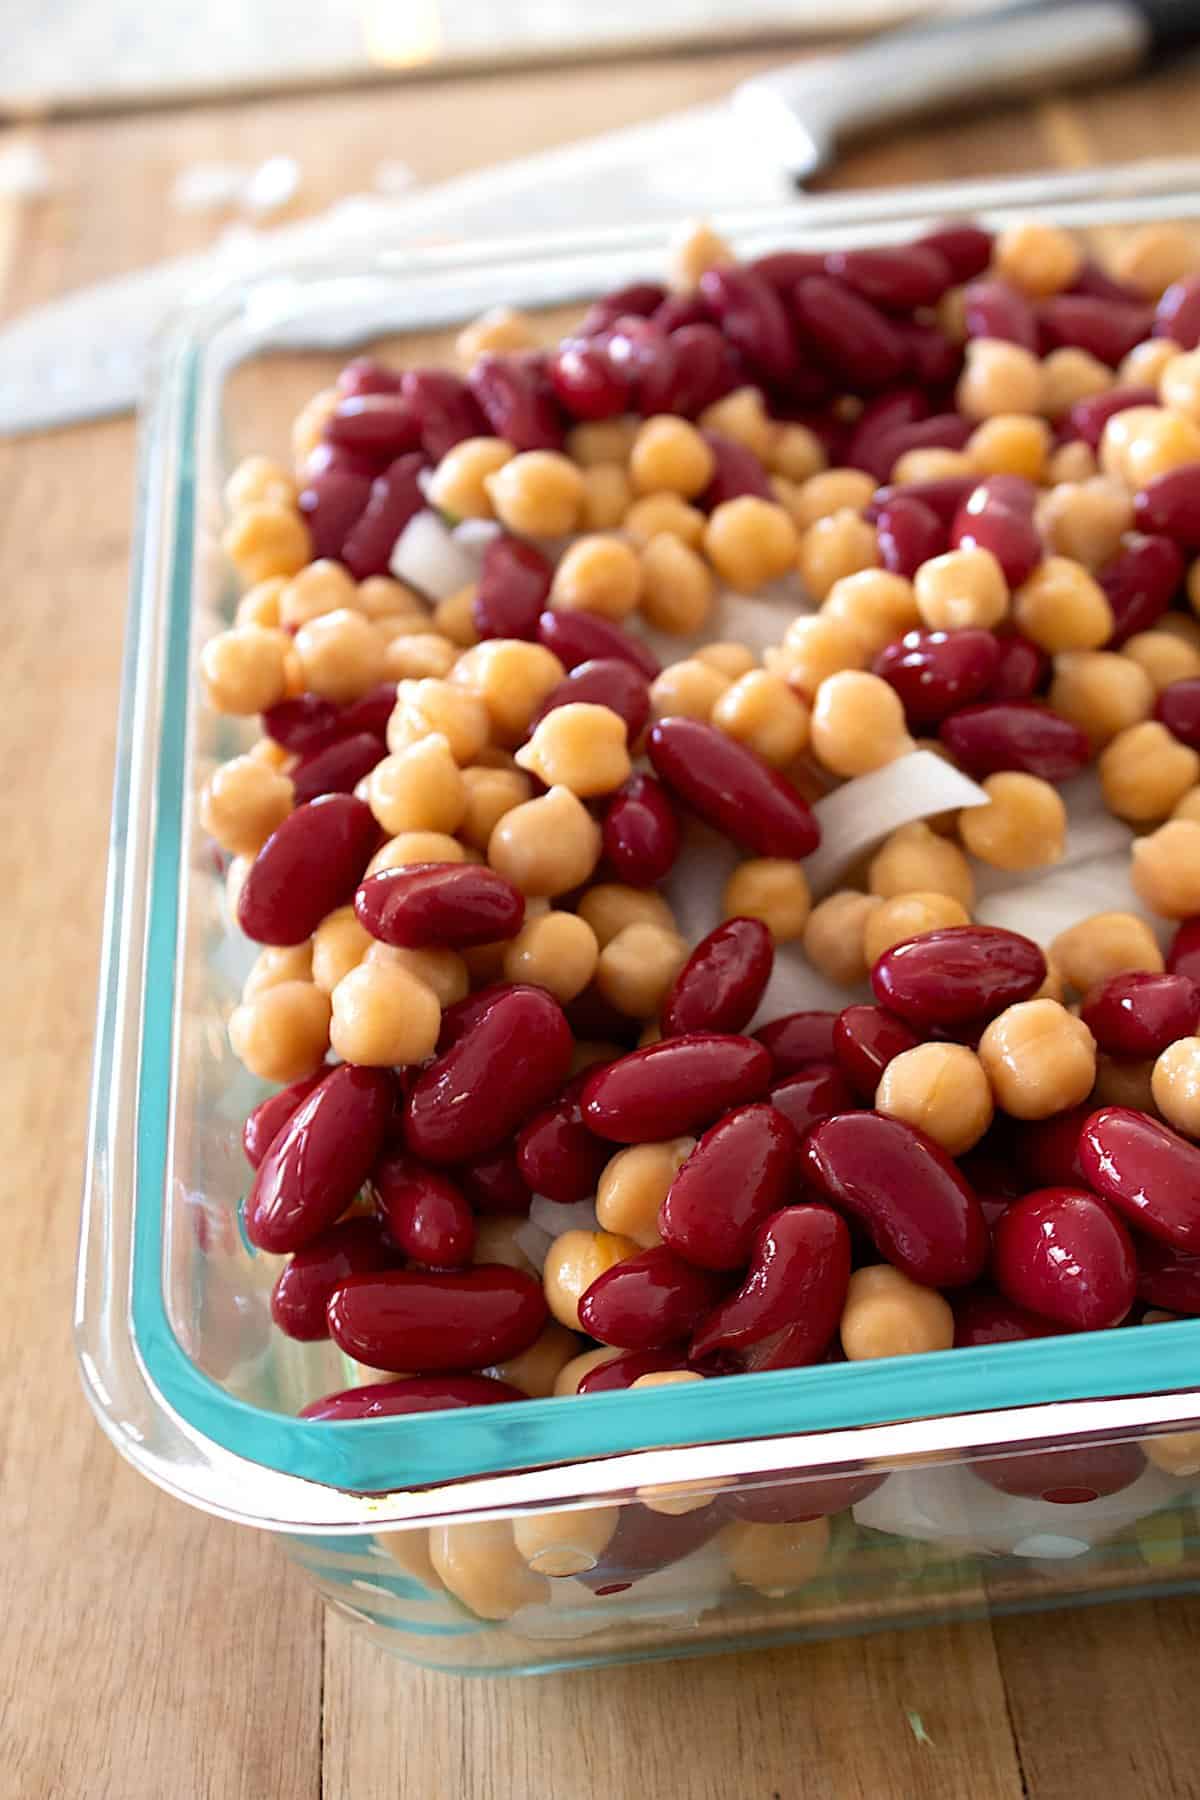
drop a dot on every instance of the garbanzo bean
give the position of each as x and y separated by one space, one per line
443 971
1105 944
670 456
835 547
512 678
482 1567
417 655
1179 385
341 654
409 847
1165 658
338 945
761 711
677 585
536 1370
814 647
598 574
942 1090
581 747
281 1032
835 936
245 670
1145 770
1166 869
547 846
1039 258
458 484
265 539
418 789
557 951
1072 462
876 605
258 478
930 465
322 587
574 1260
857 723
775 1560
999 378
656 514
607 497
500 330
565 1543
259 605
538 493
1062 607
308 427
733 660
797 453
742 416
750 542
566 1382
610 906
1023 825
384 1017
1086 520
689 689
243 802
602 440
1145 441
453 618
634 1185
1101 691
278 962
914 859
962 588
637 966
905 916
1039 1058
1011 444
1146 362
886 1314
832 491
1069 376
1175 1085
1154 256
773 889
490 794
694 248
1176 1452
432 705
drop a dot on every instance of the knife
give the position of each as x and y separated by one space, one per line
85 356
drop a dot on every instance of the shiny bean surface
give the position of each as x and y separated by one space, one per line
865 1039
1168 1277
649 1300
797 1039
732 788
1139 583
302 1289
1139 1013
427 1216
670 1088
641 832
395 498
812 1093
958 974
556 1153
622 1371
513 587
577 637
723 980
270 1116
937 673
787 1310
1063 1253
418 1394
320 1159
743 1169
494 1185
982 1317
308 866
998 735
1068 1477
439 906
603 681
1146 1171
338 768
410 1320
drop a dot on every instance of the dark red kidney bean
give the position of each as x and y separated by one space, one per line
396 498
705 367
1170 506
722 981
419 1394
732 788
577 637
585 381
865 1039
897 277
556 1153
475 1096
737 471
935 360
426 1215
1047 1150
1140 583
622 1371
644 356
303 725
641 833
797 1039
1178 313
1062 1253
1087 418
1106 329
903 1188
957 974
669 1088
328 458
1146 1171
366 375
302 1289
992 309
380 424
1168 1277
784 268
602 681
270 1116
966 248
332 504
460 1017
517 401
752 317
494 1184
419 1321
595 1019
646 1541
370 712
936 673
944 431
442 906
1183 958
909 533
320 1159
812 1094
308 866
943 497
783 1502
854 335
1100 285
1021 669
338 768
990 1166
786 1311
741 1171
1139 1013
879 418
1068 1477
990 1205
981 1317
1010 734
446 409
648 1301
985 523
513 587
638 299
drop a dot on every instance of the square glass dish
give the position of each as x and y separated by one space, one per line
645 1500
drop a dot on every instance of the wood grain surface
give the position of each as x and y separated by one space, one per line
149 1653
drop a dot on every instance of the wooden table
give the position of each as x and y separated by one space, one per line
150 1653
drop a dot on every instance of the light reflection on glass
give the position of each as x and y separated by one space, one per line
402 34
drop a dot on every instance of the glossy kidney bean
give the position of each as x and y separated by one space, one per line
303 725
1107 329
783 1502
1168 1277
879 418
366 375
1087 418
1096 281
270 1116
944 431
1178 313
984 522
585 381
786 1311
638 299
556 1153
380 424
743 1169
943 497
646 1541
965 248
737 471
309 865
937 673
958 974
596 1020
1183 958
338 768
670 1088
603 681
332 502
418 1394
493 1183
327 457
1069 1477
784 268
723 980
439 906
473 1097
1146 1171
897 277
909 533
732 788
865 1039
446 408
426 1214
641 832
302 1289
706 367
1062 1253
415 1320
920 1213
752 317
1140 583
1139 1013
812 1094
854 335
649 1300
517 400
620 1372
1021 669
577 637
464 1014
993 309
319 1160
1013 734
644 356
513 587
797 1039
396 498
981 1317
1047 1150
934 359
370 712
1170 506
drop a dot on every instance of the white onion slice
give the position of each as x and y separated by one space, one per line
860 814
554 1219
474 535
1040 909
426 556
534 1242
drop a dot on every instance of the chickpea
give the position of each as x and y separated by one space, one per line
772 889
322 587
775 1559
1102 692
1144 771
282 1032
1072 462
490 794
876 605
831 491
1166 869
797 454
1105 944
607 497
565 1543
950 314
267 539
341 654
243 802
418 789
750 542
260 605
733 660
384 1017
1039 1058
1145 441
609 907
835 547
270 755
915 860
999 378
278 962
942 1090
410 1548
742 416
581 747
670 456
546 846
1189 806
1165 659
1023 825
1175 1452
574 1260
571 1374
694 248
1038 258
536 1370
1175 1085
1179 385
1087 520
815 647
637 966
835 936
245 670
672 1499
598 575
930 465
500 331
453 619
1193 585
886 1314
1146 362
677 586
308 427
1062 607
512 678
443 971
635 1184
497 1240
1011 444
657 514
412 657
905 916
482 1567
1123 1083
961 589
1069 376
688 689
1154 256
458 484
409 847
338 945
557 951
858 723
258 478
602 440
432 705
539 493
761 711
